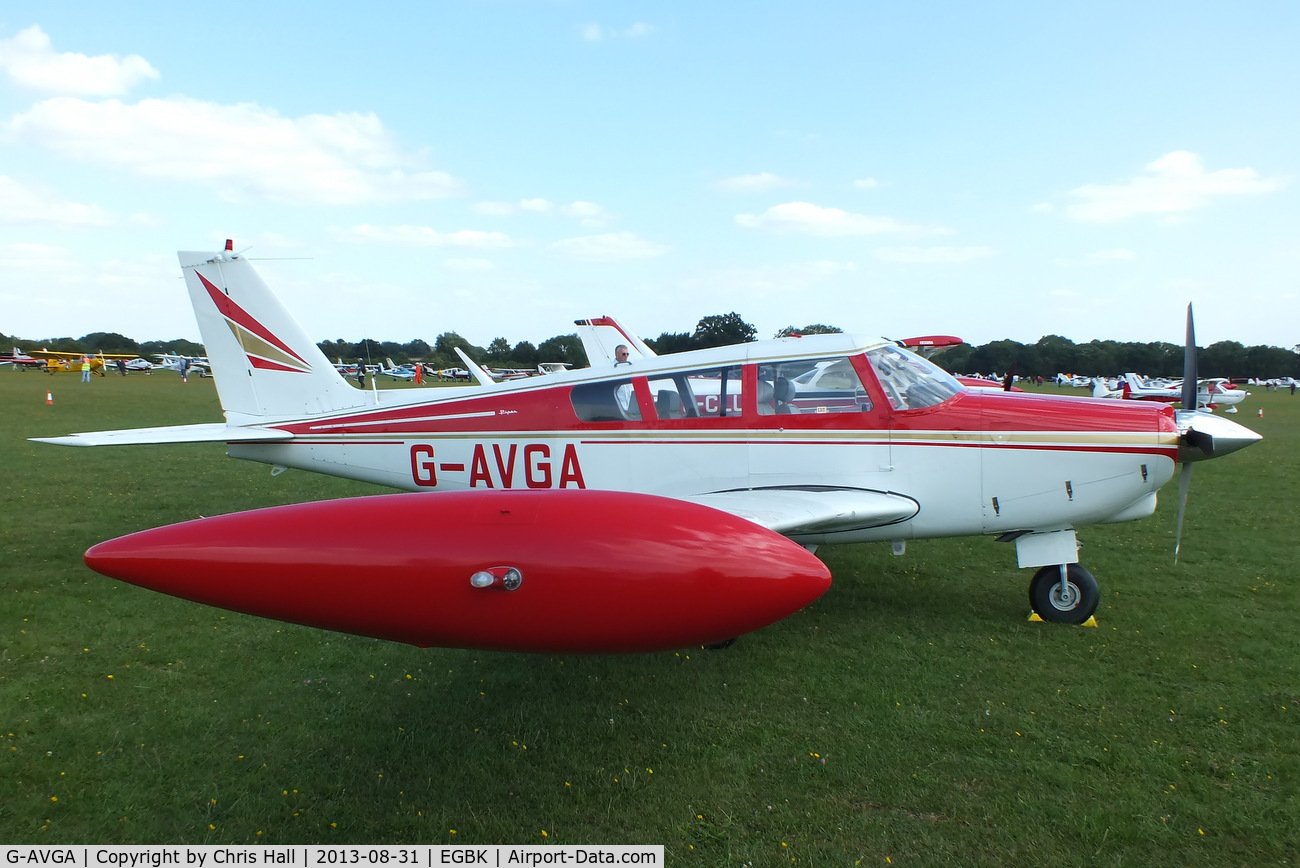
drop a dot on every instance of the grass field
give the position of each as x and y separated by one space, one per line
912 716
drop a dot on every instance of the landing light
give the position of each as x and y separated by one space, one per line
508 578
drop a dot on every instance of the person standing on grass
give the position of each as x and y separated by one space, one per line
85 369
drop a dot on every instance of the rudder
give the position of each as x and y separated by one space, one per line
264 364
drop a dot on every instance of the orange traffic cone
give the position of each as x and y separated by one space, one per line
49 397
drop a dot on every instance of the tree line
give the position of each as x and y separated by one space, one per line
1054 354
1047 357
711 331
104 342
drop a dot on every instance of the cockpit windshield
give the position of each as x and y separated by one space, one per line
910 382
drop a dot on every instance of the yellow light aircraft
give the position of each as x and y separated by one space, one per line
56 362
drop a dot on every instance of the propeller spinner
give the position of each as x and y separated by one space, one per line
1201 434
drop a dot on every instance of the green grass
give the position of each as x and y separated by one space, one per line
910 715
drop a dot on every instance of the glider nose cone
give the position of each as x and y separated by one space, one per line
1204 435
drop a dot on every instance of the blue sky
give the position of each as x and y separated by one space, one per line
501 167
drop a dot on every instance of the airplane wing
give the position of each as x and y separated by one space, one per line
216 432
54 354
813 510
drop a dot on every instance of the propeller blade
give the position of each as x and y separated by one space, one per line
1189 364
1184 481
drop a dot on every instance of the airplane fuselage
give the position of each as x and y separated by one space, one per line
981 463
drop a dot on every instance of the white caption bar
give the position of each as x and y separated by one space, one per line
322 856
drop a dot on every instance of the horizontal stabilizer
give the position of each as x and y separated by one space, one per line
216 432
798 511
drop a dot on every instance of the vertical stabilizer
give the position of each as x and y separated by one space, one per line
264 364
601 335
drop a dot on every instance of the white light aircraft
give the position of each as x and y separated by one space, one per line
610 508
1210 393
185 365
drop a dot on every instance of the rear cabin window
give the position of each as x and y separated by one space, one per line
709 393
827 385
606 401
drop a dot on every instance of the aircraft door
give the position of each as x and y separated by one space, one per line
817 425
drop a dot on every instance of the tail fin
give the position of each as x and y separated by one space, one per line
264 363
602 335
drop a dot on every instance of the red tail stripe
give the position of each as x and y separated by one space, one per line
244 319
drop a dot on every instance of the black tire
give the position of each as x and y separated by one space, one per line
1075 608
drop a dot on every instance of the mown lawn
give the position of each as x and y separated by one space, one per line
911 716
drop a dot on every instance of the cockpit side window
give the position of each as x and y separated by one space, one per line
829 385
911 382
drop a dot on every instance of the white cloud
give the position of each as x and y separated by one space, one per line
507 209
593 32
1173 184
239 150
423 236
866 183
760 183
805 217
765 281
589 214
32 63
50 291
21 203
1097 257
611 247
930 255
494 209
469 265
36 258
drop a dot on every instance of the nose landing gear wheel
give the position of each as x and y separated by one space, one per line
1072 604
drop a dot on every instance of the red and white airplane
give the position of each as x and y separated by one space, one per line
608 509
1210 393
20 360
